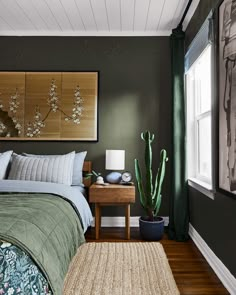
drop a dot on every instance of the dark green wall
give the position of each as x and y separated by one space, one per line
134 93
214 220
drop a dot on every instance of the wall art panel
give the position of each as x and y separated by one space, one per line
48 106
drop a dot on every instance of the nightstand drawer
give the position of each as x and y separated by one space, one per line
112 193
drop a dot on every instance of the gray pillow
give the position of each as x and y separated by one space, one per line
57 169
4 162
77 176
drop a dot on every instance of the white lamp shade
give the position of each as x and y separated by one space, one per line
115 159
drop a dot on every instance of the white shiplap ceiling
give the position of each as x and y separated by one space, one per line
91 17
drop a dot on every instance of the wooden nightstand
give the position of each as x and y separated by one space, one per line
112 195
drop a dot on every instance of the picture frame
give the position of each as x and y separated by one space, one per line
53 106
226 64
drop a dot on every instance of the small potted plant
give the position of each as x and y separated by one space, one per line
99 178
152 225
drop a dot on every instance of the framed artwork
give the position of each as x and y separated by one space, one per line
227 95
48 106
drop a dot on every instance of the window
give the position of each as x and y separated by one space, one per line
199 137
199 131
199 74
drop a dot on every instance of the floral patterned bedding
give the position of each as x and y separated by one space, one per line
18 273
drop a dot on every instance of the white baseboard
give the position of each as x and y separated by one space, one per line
227 279
119 221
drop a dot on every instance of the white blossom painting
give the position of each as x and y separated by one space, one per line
48 105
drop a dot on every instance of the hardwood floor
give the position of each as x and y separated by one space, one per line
192 273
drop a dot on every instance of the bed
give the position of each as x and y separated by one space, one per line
42 223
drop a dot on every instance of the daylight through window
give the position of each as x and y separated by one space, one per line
199 137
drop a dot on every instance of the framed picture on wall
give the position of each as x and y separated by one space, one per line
227 95
49 106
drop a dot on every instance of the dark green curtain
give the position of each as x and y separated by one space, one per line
179 208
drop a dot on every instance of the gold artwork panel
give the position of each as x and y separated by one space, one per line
48 105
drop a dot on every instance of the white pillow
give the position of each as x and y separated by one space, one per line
4 162
54 169
77 176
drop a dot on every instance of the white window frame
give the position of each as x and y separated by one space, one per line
197 118
196 180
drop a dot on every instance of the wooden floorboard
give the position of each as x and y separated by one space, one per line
191 271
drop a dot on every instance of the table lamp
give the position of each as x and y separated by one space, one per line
115 160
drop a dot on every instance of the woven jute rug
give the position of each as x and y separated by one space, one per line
120 269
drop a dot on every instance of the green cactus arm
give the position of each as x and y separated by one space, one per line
161 171
148 161
142 136
138 176
149 187
157 205
159 180
147 136
148 149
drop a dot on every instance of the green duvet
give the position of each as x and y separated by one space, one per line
46 227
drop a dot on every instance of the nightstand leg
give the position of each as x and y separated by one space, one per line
97 220
127 221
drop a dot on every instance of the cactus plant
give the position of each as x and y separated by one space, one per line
150 196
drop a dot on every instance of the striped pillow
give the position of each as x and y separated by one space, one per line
77 176
54 169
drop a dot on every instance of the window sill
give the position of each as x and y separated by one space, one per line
202 187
